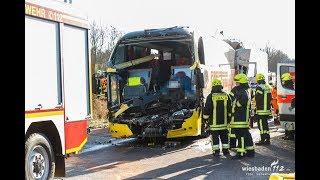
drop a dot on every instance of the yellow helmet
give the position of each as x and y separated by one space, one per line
216 82
241 78
286 77
260 77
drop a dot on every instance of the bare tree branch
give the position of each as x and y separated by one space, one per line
275 56
103 40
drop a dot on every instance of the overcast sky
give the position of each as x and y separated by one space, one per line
255 22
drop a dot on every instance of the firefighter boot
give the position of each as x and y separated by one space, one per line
262 141
288 135
216 153
267 141
291 135
250 153
238 156
226 152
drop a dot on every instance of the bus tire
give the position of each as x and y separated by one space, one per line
39 157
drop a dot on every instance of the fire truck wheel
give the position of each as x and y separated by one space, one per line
39 159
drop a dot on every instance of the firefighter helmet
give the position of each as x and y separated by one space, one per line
216 82
241 78
286 77
260 77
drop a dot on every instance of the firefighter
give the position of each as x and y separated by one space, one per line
239 124
232 136
102 83
289 84
216 110
274 104
263 106
103 86
253 103
287 81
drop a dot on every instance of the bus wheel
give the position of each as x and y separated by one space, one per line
39 159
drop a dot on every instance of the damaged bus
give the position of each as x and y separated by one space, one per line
157 80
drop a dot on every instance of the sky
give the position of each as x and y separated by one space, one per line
255 22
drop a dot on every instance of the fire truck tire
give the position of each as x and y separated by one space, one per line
39 158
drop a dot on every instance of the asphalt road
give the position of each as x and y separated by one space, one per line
107 158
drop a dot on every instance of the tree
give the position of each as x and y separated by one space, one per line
275 56
97 40
113 35
103 40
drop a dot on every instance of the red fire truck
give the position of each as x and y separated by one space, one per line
58 84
